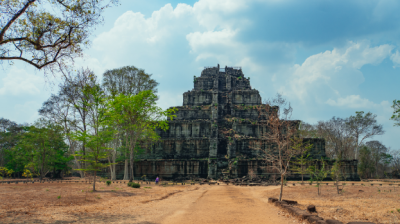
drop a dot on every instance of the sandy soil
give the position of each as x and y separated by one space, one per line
39 203
379 204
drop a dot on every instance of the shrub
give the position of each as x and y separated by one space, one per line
134 185
108 182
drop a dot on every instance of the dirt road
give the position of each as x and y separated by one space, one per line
228 204
40 203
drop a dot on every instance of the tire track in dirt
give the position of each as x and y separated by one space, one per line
168 195
162 198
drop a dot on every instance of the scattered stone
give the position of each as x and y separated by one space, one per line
272 200
311 208
290 202
332 221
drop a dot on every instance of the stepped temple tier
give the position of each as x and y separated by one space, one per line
217 123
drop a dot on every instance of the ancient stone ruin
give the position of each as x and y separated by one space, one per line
217 123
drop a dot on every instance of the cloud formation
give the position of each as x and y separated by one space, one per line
18 82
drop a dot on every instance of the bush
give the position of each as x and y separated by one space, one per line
108 182
134 185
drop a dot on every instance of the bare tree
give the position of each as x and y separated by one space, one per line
363 127
47 33
276 145
339 141
72 93
378 152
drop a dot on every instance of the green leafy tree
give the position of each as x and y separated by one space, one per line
42 148
10 133
47 33
138 116
300 162
318 173
127 80
98 136
4 172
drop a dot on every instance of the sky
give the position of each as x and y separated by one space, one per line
328 58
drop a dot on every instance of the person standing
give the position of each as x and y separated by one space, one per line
157 180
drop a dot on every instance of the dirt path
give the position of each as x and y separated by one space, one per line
150 204
228 204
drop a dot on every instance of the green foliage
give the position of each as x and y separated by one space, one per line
41 148
300 163
5 172
318 174
49 32
108 182
133 185
96 139
396 112
138 116
59 197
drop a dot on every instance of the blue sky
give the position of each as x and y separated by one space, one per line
328 58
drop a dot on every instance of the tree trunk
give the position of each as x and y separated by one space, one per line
94 181
126 170
112 167
318 188
280 194
131 168
78 164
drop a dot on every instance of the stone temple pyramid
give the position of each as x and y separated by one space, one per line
217 123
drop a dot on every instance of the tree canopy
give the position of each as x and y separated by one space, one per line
48 33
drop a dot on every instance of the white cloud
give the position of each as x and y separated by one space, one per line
335 73
352 101
19 82
395 59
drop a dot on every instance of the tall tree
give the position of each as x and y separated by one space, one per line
363 127
98 136
378 153
72 92
59 110
366 166
127 80
138 116
337 134
9 136
48 33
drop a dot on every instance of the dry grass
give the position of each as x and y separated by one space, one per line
379 204
40 202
